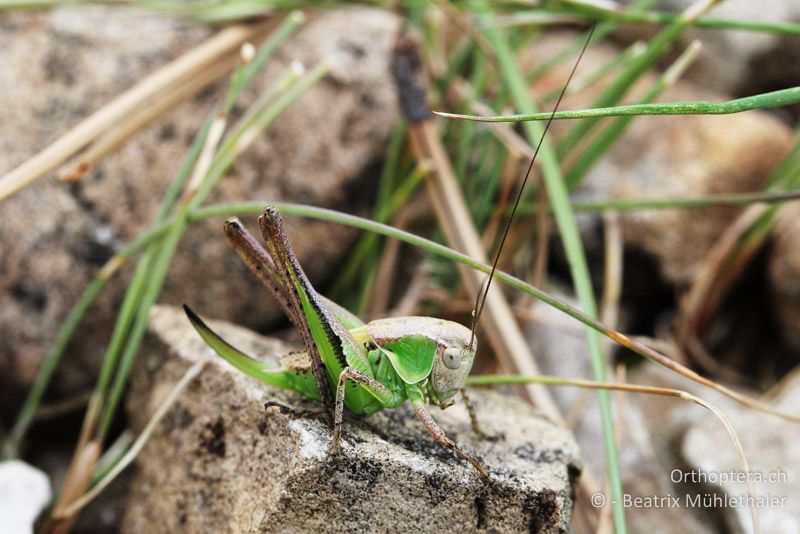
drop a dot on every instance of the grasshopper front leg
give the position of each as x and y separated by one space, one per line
473 418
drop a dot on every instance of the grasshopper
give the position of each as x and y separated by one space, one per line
370 366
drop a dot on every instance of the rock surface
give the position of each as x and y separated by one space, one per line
783 271
770 444
221 463
671 156
24 492
753 61
59 66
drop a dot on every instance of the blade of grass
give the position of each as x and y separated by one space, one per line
643 204
130 454
568 14
774 99
565 221
632 344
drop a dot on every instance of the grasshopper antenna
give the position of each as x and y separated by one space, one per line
480 298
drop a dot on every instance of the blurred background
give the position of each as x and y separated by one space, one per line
123 121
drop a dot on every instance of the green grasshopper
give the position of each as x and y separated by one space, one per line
368 367
372 366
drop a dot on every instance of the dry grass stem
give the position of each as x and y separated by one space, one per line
127 104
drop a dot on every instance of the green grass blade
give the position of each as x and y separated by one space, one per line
634 345
568 229
774 99
611 134
637 16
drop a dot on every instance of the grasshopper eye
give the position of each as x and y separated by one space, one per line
452 358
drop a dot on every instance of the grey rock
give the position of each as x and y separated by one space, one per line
24 492
59 66
671 156
783 274
740 61
220 463
770 444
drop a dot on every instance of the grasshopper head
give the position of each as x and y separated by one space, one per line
452 362
425 349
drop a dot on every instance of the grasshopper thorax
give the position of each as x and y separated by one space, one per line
437 350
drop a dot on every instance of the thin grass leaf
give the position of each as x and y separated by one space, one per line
774 99
570 14
565 221
633 344
643 204
612 132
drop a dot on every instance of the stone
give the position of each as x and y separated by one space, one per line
61 65
559 344
770 444
783 275
665 157
753 61
220 462
24 492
